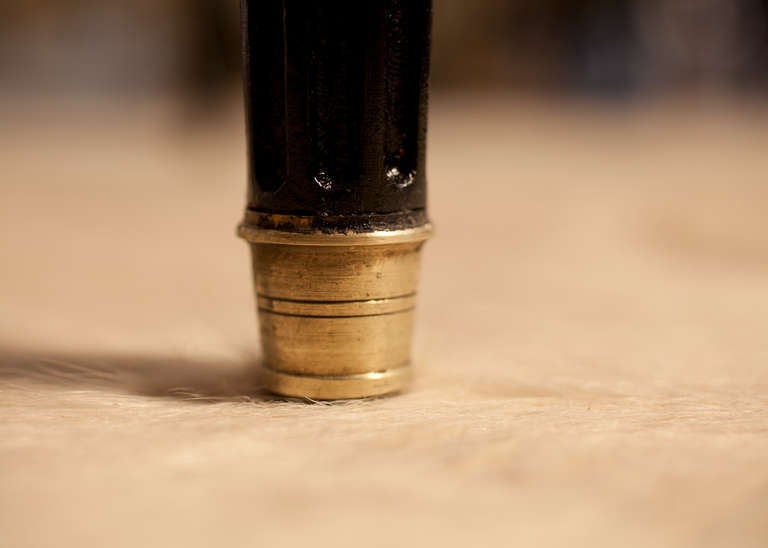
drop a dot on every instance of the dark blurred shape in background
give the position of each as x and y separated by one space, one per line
602 48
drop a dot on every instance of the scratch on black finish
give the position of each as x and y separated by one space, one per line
336 106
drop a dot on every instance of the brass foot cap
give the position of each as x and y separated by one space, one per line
335 310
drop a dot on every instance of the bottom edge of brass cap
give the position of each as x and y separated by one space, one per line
336 387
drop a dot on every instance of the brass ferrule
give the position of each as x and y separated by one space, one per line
335 310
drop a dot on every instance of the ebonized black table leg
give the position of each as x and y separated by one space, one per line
336 110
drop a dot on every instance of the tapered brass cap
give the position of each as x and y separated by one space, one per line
336 310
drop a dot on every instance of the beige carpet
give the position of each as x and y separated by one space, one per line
592 345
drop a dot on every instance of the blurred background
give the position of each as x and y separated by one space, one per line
600 48
120 114
591 349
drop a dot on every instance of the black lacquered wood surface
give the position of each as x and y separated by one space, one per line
336 110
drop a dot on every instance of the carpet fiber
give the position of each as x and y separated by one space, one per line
591 353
